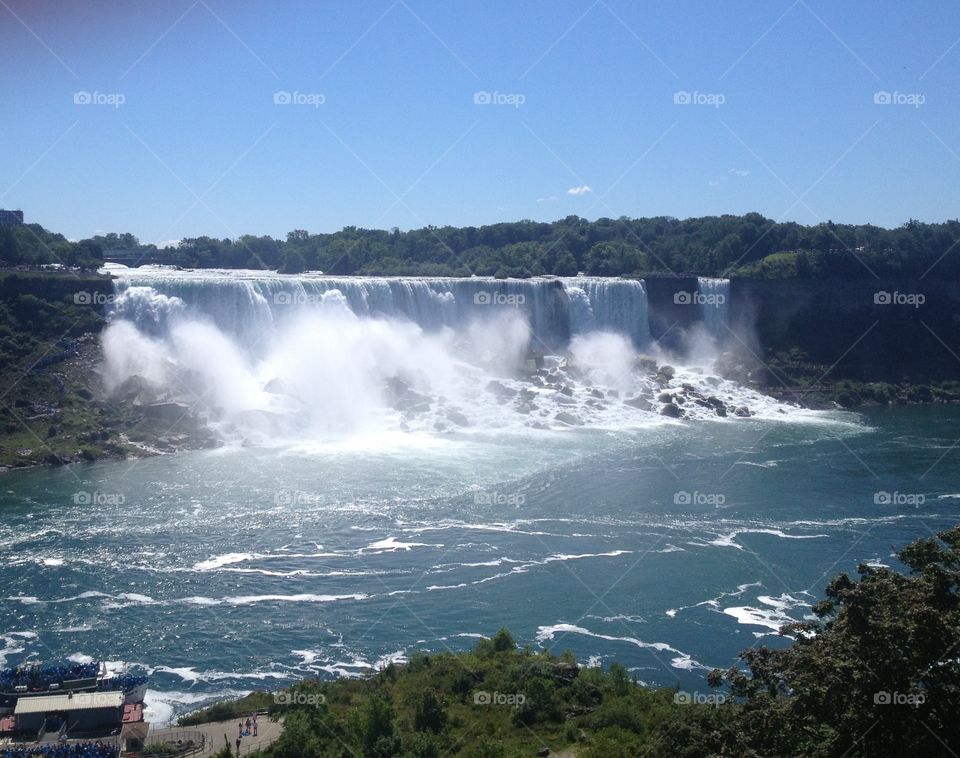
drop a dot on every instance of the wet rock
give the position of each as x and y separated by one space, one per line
639 402
665 397
667 372
646 364
722 411
401 397
167 412
671 410
500 390
526 394
613 393
597 393
568 418
713 381
566 390
742 411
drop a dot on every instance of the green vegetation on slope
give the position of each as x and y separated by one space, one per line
876 673
53 408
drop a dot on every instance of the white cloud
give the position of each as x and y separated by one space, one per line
739 172
546 199
581 190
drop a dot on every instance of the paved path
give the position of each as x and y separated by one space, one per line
267 732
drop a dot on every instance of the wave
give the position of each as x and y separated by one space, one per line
680 660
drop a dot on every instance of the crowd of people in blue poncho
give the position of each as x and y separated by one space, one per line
41 677
76 750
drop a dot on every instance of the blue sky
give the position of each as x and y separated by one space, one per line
388 123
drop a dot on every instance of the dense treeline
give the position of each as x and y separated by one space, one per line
31 245
748 245
729 245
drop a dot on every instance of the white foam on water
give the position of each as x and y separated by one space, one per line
391 544
227 559
681 660
773 616
297 598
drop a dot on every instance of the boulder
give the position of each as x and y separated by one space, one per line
671 410
644 363
639 402
499 390
568 418
167 412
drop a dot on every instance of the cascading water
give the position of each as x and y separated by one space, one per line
714 300
250 304
260 355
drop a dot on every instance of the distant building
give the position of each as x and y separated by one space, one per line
11 218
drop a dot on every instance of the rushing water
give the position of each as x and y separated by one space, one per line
668 545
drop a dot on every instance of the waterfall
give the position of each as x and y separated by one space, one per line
249 305
257 356
713 296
